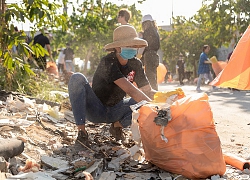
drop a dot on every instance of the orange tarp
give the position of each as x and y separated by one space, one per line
237 73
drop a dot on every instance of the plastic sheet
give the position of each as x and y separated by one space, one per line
193 147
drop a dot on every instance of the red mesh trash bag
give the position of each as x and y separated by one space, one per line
193 148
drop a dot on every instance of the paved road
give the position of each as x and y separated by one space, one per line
231 111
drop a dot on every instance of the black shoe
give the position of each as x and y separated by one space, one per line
117 132
83 138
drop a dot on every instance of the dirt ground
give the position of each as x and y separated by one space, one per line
230 112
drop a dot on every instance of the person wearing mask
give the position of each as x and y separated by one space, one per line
150 56
105 101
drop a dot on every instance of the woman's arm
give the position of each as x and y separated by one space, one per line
137 94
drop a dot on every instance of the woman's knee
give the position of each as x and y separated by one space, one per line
77 78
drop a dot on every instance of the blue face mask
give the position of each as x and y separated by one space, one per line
128 53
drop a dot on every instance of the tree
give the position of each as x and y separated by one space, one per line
91 26
225 19
14 65
216 24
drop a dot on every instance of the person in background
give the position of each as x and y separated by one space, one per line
124 16
150 55
230 54
69 58
203 67
180 65
105 101
43 40
61 61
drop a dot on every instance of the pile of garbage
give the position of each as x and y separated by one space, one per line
38 142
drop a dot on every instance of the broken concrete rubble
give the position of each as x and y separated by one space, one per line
49 143
10 147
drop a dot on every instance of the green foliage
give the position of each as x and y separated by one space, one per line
14 51
217 23
40 87
90 27
224 19
42 12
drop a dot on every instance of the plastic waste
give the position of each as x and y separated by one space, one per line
236 161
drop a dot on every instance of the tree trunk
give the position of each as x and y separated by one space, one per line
89 53
2 21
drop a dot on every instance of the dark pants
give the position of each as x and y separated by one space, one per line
181 76
60 67
86 105
41 62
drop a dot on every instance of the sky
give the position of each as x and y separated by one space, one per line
161 10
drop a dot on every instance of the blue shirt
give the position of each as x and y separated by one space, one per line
203 67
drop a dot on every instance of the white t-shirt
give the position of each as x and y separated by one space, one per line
61 57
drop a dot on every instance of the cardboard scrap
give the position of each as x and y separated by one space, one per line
54 163
108 176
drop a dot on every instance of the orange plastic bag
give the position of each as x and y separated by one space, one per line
236 161
161 73
193 148
51 68
218 66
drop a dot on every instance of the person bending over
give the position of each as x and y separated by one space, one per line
105 101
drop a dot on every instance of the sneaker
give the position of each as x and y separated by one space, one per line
198 90
117 132
83 138
214 88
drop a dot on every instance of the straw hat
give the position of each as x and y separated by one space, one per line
125 36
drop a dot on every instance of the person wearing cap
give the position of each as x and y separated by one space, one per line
113 79
43 40
69 58
150 56
124 16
